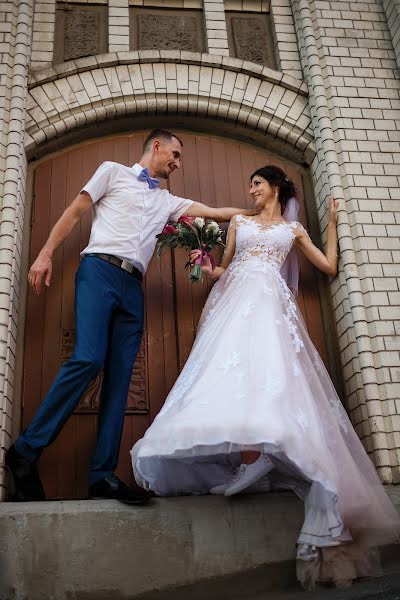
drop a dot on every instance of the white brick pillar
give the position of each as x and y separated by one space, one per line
16 19
216 32
286 48
354 103
392 11
118 25
43 34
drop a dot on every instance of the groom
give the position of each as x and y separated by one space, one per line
129 210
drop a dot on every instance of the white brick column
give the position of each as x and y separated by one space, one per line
43 34
286 47
355 103
216 32
392 10
118 25
16 19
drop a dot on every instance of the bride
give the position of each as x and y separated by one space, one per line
254 409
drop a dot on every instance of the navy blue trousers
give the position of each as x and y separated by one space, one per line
109 315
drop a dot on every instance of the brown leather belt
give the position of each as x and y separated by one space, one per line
118 262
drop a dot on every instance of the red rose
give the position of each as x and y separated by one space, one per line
169 230
186 220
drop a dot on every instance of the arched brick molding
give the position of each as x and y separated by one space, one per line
228 92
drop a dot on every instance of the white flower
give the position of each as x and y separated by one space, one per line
213 227
199 222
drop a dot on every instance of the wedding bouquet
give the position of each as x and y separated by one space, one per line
192 233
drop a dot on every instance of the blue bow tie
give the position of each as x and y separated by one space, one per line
152 181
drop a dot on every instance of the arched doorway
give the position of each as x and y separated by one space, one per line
215 171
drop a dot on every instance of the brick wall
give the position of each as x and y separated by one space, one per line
15 32
216 32
215 27
43 34
352 68
392 12
118 25
286 47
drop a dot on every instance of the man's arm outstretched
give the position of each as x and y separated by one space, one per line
43 265
197 209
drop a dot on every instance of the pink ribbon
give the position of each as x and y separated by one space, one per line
201 259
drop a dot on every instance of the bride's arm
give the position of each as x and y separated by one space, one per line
227 257
327 263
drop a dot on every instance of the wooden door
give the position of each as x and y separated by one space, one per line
215 171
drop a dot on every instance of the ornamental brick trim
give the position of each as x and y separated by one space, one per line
164 56
85 91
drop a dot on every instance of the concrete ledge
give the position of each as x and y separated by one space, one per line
104 550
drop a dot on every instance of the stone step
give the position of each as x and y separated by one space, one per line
386 587
104 550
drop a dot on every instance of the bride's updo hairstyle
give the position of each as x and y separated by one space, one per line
277 178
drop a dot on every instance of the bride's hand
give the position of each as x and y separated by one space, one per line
333 207
205 266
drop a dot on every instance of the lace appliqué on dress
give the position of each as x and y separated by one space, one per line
183 384
247 309
265 248
231 361
259 248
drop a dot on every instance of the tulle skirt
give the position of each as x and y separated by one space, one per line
254 381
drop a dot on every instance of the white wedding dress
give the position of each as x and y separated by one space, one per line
254 381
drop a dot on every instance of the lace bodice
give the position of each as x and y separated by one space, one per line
259 245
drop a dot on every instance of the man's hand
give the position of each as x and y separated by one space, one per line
41 268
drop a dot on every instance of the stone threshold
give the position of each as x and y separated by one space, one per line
104 550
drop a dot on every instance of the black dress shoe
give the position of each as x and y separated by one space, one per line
27 484
112 487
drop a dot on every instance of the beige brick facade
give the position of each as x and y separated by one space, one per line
333 104
43 34
118 25
354 99
217 36
16 32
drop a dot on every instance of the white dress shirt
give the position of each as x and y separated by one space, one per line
128 214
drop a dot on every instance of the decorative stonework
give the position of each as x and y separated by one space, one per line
166 30
80 31
251 38
137 402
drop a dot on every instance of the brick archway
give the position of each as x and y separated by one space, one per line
271 107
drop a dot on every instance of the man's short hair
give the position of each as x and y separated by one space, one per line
159 134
